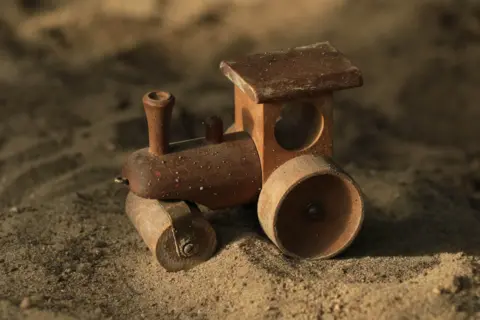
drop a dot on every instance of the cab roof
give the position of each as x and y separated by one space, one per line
296 73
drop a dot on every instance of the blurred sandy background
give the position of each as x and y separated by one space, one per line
72 74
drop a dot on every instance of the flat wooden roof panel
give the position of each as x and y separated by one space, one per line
292 74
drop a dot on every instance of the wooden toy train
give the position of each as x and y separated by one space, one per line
278 152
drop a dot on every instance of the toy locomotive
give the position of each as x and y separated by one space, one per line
277 153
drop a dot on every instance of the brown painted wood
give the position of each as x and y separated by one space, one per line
259 120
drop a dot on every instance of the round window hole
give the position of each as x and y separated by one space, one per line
299 126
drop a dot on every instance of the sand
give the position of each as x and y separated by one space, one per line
72 75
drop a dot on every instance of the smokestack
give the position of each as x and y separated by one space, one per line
158 109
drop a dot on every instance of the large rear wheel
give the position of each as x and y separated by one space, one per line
310 208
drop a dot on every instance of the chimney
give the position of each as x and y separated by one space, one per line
158 109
